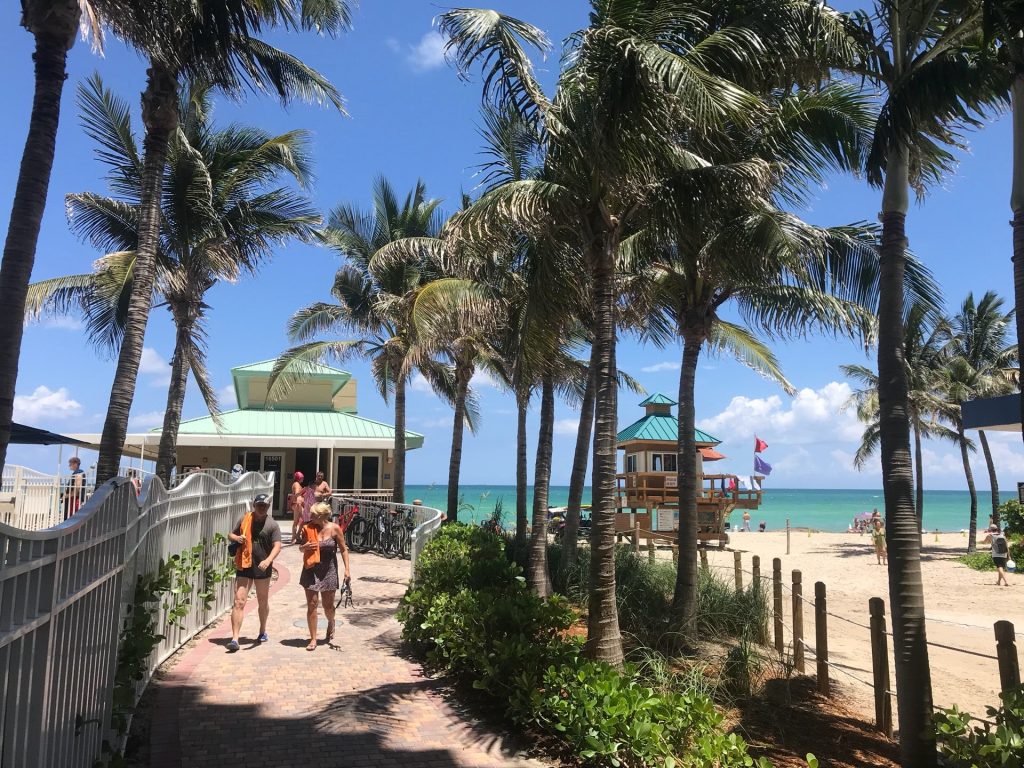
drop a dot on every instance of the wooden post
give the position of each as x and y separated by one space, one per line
777 602
704 559
650 549
787 535
675 554
755 571
737 566
1006 650
798 622
880 666
636 536
821 636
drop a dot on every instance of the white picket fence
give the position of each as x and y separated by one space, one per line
65 592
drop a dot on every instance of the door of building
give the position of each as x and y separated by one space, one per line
346 476
369 472
274 462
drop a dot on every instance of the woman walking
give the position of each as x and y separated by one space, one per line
878 539
296 505
320 541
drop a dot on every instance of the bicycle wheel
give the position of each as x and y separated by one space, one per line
358 532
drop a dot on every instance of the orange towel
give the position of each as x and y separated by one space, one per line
311 558
243 557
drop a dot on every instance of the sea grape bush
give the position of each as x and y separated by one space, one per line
469 613
964 743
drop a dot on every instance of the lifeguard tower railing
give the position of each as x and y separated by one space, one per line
649 490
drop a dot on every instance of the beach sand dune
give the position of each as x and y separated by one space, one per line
961 606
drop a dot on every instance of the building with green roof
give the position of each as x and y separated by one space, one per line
313 426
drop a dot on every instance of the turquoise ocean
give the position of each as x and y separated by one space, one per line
821 509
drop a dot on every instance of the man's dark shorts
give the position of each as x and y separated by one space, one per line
1000 562
254 573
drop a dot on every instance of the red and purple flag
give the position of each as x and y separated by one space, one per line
759 444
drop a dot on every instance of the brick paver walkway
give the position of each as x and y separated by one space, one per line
356 703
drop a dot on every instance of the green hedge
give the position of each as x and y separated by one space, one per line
982 561
965 744
470 614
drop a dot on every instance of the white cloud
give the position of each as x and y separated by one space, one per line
432 423
427 54
156 367
45 404
567 426
812 416
419 383
483 379
667 365
226 397
145 421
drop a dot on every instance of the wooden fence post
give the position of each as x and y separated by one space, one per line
650 549
777 602
755 571
737 566
880 666
821 636
704 559
787 535
798 622
1006 650
636 536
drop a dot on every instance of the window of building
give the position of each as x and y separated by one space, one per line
631 462
663 462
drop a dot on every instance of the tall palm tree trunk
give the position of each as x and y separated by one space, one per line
972 535
167 455
684 600
537 570
919 478
604 641
522 472
160 116
398 492
53 37
1017 206
578 478
455 462
906 590
993 481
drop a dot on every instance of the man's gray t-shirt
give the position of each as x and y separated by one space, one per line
264 536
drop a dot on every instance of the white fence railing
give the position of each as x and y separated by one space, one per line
425 520
65 593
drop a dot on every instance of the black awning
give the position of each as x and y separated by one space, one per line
997 413
22 435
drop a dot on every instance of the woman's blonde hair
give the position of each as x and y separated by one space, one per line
320 511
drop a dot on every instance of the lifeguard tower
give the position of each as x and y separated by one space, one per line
648 491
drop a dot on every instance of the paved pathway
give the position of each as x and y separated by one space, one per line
355 703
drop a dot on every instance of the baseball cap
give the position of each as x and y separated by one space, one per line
261 500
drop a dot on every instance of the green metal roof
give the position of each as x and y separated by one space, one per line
263 370
298 423
661 427
267 367
659 399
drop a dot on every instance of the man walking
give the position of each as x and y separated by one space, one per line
74 488
258 539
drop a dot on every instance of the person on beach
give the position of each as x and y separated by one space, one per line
258 537
296 504
746 520
1000 552
878 539
320 541
321 489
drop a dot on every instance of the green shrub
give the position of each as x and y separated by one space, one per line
982 561
470 614
1011 515
965 745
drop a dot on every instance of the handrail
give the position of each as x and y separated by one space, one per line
426 521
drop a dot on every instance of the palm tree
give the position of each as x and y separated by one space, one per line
925 338
221 217
218 43
983 364
54 25
373 301
922 58
631 77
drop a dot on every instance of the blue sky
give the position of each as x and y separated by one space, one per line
411 117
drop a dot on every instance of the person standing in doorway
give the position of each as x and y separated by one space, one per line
296 504
321 490
74 487
258 538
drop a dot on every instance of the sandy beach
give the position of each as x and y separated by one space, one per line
961 606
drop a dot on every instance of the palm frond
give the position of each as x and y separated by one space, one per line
741 344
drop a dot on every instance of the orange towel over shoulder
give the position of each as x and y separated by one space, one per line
311 558
243 557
